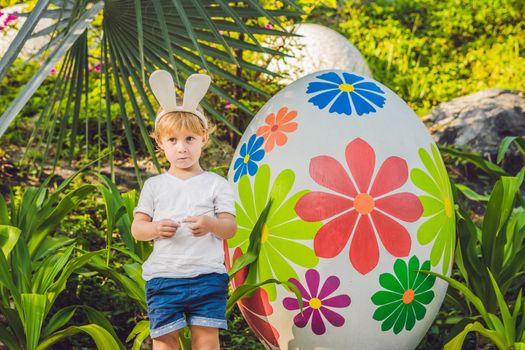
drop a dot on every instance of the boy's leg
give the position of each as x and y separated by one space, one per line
168 341
204 338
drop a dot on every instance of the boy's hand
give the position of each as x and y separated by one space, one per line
166 228
199 225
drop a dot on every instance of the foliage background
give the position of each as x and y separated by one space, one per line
427 51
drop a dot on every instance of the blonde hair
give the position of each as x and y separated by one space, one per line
180 120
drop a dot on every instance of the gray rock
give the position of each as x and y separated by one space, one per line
480 120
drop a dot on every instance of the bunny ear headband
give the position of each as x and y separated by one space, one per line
163 88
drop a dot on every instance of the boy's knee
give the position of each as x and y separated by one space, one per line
168 341
204 338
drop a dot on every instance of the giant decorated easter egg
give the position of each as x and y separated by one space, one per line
361 203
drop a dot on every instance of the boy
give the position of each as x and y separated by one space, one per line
188 212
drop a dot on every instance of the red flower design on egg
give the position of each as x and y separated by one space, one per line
363 207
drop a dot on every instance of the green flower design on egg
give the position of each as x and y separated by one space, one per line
406 294
285 240
438 205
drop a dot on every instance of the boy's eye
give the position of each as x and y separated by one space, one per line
190 138
171 139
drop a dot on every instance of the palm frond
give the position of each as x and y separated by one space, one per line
181 36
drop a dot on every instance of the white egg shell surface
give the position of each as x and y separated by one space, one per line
361 202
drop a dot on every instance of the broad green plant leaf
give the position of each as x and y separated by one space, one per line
471 194
246 290
508 321
476 159
96 317
457 342
499 208
254 246
33 314
60 283
58 320
505 143
140 327
103 339
8 237
49 269
69 202
4 213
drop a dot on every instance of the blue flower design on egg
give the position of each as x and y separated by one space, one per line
251 153
348 91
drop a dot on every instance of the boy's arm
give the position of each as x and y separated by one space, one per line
143 229
223 226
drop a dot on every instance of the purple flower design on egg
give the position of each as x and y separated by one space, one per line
317 304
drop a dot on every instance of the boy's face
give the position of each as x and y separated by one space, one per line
183 148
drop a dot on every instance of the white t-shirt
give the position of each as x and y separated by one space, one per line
165 196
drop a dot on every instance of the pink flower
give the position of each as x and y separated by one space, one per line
53 71
10 18
268 26
90 67
98 67
228 105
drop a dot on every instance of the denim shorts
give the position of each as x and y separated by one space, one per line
174 303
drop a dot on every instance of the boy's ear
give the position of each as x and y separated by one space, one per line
205 139
159 144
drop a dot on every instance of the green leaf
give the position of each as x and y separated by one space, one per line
49 269
4 213
140 36
478 304
8 237
139 328
33 310
51 245
134 271
64 207
140 333
508 323
470 194
246 290
504 145
60 284
457 342
103 339
96 317
15 322
499 207
5 277
59 319
254 246
476 159
132 288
